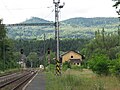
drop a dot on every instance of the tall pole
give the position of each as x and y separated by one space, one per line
56 2
44 49
57 28
57 9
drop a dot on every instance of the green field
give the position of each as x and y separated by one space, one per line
81 80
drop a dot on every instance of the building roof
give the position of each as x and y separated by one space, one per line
70 51
83 57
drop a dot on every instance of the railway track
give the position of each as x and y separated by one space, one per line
8 77
16 81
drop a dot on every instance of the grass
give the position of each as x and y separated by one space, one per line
81 80
9 71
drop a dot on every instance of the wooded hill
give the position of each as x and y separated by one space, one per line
71 28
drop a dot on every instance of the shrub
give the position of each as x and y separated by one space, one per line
114 67
50 67
99 64
77 67
65 66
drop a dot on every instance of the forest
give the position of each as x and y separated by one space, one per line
104 48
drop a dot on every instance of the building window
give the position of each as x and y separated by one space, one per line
77 63
71 56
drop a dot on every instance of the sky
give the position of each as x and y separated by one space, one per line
16 11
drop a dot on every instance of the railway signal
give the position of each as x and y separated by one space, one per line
48 55
21 51
48 50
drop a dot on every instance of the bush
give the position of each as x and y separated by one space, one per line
50 67
77 67
65 66
114 67
99 64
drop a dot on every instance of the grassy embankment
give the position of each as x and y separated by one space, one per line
9 71
81 80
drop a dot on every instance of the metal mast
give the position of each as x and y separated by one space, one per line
57 27
56 2
57 7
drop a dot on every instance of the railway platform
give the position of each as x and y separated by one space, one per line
36 83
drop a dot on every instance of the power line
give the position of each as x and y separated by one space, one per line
31 24
6 6
49 14
24 8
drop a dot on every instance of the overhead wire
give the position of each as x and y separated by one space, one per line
49 14
9 10
5 6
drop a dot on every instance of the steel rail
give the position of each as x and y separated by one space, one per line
24 81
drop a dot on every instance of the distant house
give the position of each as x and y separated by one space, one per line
73 57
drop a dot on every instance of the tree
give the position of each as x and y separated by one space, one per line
2 37
103 43
2 44
33 59
99 64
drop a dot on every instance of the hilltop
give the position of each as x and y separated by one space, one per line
91 22
36 20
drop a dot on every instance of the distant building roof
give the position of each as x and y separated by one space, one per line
83 57
70 51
